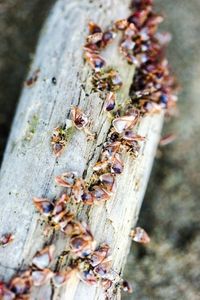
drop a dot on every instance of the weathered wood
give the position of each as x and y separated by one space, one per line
29 167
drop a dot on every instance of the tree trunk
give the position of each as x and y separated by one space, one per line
29 166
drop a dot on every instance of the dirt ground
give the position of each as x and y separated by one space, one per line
168 268
20 22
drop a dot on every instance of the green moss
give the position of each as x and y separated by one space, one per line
33 123
13 145
68 133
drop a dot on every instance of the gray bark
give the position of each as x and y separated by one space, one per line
29 167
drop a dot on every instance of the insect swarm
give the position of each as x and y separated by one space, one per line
89 262
37 274
151 92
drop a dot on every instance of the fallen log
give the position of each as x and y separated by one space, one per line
29 167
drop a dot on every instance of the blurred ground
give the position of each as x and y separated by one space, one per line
20 22
169 267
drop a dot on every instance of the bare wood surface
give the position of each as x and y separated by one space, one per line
29 166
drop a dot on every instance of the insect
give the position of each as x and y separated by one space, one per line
126 287
79 119
107 38
101 165
100 194
94 38
58 140
108 181
107 80
66 179
99 254
139 17
77 190
5 292
121 24
32 79
82 242
43 258
56 212
110 101
41 277
44 206
95 60
96 41
110 149
6 239
123 123
94 28
139 235
98 37
129 135
117 164
21 285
